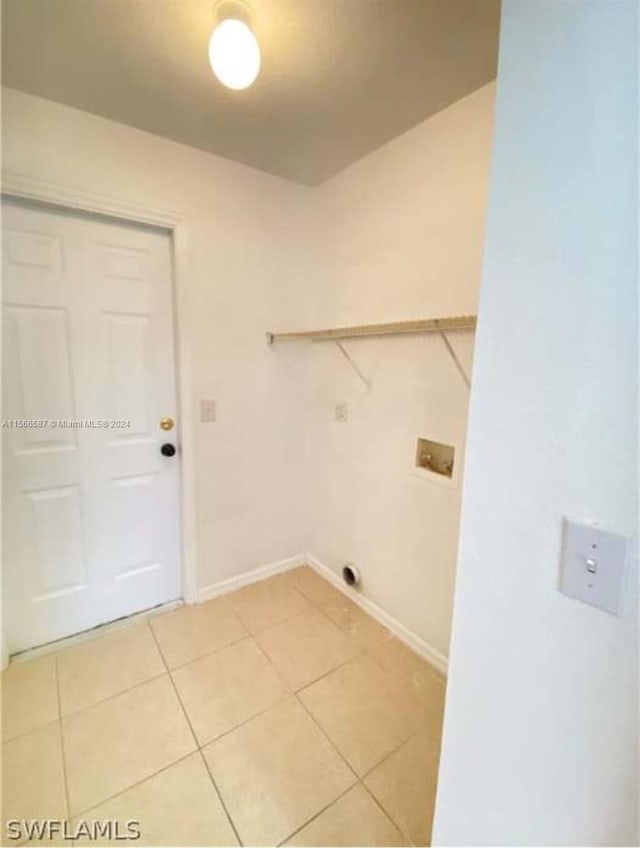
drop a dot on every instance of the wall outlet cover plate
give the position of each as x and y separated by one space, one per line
593 565
341 412
207 411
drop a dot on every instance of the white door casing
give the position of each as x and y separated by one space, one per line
91 513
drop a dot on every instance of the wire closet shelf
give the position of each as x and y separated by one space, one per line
442 326
424 325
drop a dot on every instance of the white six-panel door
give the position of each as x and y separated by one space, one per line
91 511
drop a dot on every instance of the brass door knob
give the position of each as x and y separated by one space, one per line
167 423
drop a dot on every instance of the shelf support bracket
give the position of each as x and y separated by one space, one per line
455 359
345 353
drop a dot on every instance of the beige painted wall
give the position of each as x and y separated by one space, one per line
245 231
402 234
397 235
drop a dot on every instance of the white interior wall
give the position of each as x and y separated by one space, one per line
401 233
398 235
246 230
541 728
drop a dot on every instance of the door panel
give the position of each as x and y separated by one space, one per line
91 512
41 343
58 536
129 360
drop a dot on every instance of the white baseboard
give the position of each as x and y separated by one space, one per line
213 590
424 649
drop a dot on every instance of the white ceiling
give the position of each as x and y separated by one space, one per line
339 77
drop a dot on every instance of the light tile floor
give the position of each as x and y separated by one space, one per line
278 714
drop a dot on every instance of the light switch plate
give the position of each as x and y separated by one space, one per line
207 411
593 565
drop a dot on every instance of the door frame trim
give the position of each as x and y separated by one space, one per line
20 187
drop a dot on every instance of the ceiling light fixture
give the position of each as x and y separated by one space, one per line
234 52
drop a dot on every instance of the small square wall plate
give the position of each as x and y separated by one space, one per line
593 565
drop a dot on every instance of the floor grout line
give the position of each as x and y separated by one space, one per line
381 807
386 812
367 651
333 745
208 654
109 798
390 754
62 750
245 721
147 777
327 673
35 729
314 605
319 813
156 613
414 735
326 735
279 621
199 747
170 671
220 798
290 692
199 750
360 783
113 696
359 778
153 774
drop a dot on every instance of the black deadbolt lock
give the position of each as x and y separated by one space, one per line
168 449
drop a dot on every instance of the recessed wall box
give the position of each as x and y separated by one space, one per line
435 457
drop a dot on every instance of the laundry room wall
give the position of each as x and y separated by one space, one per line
400 236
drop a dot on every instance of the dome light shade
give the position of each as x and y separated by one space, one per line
234 54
